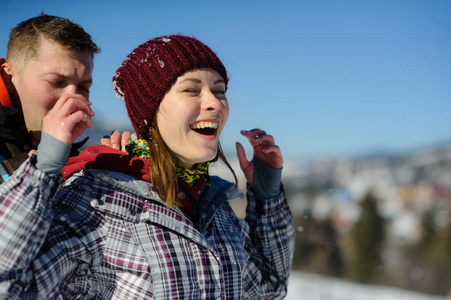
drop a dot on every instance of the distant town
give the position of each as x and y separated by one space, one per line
412 195
405 185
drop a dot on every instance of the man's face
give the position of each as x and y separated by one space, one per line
44 79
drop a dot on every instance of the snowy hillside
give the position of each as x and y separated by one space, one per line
305 286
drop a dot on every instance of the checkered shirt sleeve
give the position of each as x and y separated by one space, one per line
270 246
23 224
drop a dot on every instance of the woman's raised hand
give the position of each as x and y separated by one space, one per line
265 150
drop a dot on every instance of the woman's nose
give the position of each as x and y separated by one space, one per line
211 102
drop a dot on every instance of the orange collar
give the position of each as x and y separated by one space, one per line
5 100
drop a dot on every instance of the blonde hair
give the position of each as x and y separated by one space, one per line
162 170
25 39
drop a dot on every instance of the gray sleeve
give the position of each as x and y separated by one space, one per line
52 155
267 180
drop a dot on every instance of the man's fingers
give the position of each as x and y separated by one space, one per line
105 140
78 117
70 97
67 129
73 105
124 140
115 139
68 118
32 152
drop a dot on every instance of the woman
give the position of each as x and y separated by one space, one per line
152 224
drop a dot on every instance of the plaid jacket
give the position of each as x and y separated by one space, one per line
106 235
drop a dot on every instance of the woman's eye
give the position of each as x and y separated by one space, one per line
219 93
191 91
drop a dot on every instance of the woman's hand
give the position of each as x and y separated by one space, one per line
68 118
265 150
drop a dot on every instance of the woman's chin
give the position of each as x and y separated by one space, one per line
204 158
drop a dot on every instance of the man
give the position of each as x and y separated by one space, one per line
49 60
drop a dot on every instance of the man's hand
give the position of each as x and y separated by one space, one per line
69 118
116 140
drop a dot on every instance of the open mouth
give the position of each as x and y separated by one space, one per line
205 128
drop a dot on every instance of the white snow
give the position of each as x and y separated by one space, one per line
118 92
304 286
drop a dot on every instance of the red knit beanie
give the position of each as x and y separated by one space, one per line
149 71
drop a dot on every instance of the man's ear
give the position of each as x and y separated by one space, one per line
7 68
7 72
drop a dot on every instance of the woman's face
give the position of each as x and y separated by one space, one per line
191 116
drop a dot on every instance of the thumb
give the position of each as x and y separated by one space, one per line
244 163
246 166
32 152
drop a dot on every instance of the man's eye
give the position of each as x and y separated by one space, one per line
57 83
85 89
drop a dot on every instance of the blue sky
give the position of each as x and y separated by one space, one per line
325 78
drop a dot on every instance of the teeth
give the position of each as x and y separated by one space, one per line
201 125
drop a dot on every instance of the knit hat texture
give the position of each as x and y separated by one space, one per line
149 71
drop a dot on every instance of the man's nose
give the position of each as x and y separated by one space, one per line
73 89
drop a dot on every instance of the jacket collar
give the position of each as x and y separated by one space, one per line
148 207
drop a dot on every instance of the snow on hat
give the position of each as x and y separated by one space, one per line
149 70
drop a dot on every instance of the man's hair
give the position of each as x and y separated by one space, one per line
25 39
